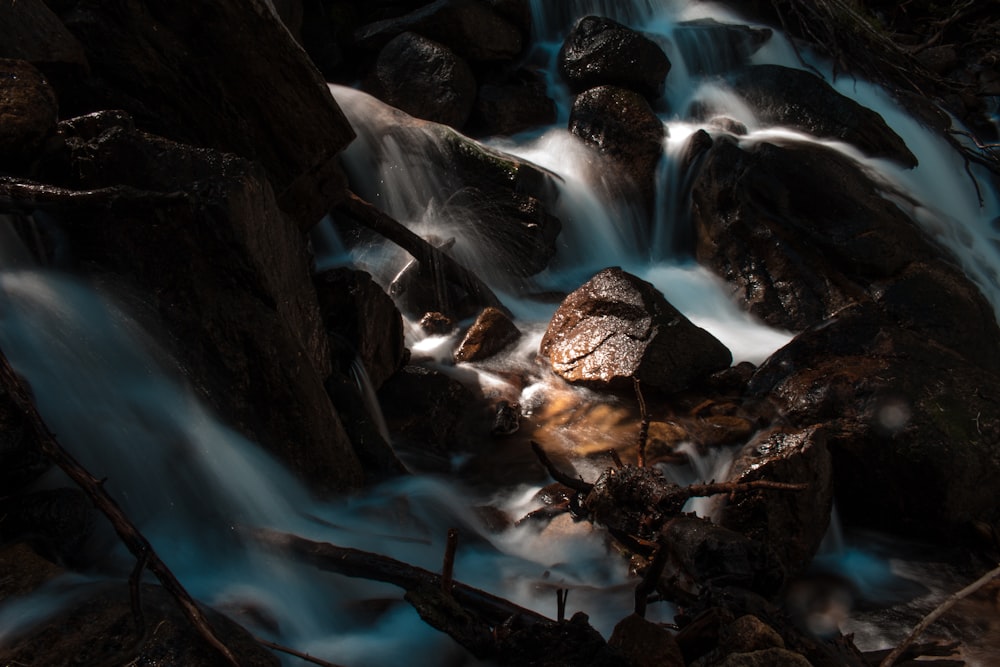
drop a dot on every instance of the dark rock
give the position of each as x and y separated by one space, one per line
24 570
362 323
645 644
710 47
912 427
361 416
772 657
622 126
801 100
425 409
98 628
514 104
21 458
727 124
564 644
747 634
602 52
489 334
424 79
30 31
189 76
791 523
798 230
436 324
199 233
506 419
468 27
705 556
617 327
56 522
28 114
518 12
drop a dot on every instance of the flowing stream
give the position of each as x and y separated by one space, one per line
119 403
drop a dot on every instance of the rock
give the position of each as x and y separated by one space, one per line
747 634
772 657
364 425
801 100
563 644
489 334
28 114
56 522
211 90
31 32
710 47
617 327
705 556
24 570
21 458
436 324
645 644
622 126
98 628
468 27
362 323
424 79
798 230
791 523
514 104
912 427
199 234
602 52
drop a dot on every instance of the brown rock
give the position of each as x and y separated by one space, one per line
489 334
617 327
646 644
23 570
772 657
28 113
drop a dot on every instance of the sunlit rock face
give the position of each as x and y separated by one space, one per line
617 327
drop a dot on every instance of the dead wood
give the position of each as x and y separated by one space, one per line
385 225
290 651
129 534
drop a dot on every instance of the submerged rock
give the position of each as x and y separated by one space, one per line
616 327
599 52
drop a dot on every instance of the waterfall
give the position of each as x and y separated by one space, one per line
119 402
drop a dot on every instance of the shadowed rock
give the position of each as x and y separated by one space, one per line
28 113
617 327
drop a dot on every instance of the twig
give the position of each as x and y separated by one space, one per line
134 582
650 578
129 534
290 651
713 488
561 595
938 612
449 560
577 484
643 424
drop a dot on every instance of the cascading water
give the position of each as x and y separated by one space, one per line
115 401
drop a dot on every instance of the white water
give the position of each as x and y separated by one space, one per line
117 403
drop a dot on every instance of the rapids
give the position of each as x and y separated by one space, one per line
120 404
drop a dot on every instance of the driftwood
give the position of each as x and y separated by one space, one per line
385 225
129 534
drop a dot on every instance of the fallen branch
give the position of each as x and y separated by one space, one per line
425 253
575 483
290 651
129 534
939 611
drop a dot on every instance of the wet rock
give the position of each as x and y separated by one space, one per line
791 523
24 570
98 628
622 126
602 52
31 32
436 324
772 657
362 323
469 27
489 334
801 100
798 230
361 417
208 89
425 79
912 427
646 644
507 418
200 235
711 47
617 327
705 556
513 104
28 114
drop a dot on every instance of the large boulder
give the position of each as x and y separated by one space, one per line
190 77
28 114
798 230
425 79
622 126
599 52
199 235
801 100
617 327
912 426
